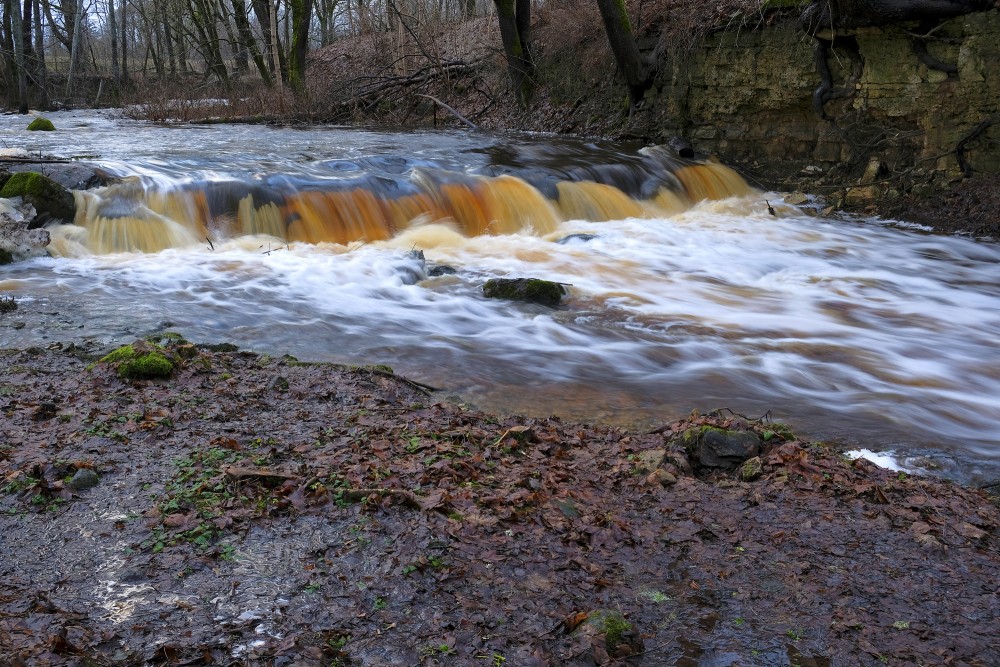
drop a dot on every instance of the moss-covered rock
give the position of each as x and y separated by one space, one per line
41 124
713 447
51 200
532 290
140 361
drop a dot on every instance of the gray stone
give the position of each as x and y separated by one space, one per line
85 478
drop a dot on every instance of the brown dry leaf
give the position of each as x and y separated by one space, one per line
969 531
573 621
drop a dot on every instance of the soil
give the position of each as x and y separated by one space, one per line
971 206
251 510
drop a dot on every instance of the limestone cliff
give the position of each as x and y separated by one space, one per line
890 121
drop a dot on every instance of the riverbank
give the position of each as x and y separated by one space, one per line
261 510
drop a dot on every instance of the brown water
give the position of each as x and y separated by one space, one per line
684 291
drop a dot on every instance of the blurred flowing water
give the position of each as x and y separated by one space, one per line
856 330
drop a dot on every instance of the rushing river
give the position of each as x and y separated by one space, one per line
855 330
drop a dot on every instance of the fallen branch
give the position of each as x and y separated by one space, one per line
403 497
450 109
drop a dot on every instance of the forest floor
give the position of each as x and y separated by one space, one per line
251 510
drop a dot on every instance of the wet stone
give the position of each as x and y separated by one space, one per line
532 290
751 469
717 448
85 478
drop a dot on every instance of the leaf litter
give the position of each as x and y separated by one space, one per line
261 511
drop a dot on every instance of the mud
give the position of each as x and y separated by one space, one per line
262 511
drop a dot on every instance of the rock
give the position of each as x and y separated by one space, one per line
751 469
85 478
874 171
681 146
17 241
141 360
41 124
51 200
649 460
610 635
441 270
711 447
661 477
531 290
796 199
576 237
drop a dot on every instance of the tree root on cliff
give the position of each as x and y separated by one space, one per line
977 131
826 92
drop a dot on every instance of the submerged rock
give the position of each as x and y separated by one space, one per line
532 290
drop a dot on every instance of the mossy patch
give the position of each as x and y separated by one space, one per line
135 362
43 193
41 124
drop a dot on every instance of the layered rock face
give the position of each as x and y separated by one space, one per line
915 102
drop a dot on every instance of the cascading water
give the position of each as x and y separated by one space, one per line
685 292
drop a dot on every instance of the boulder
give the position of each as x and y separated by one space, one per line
711 447
17 241
41 124
51 200
532 290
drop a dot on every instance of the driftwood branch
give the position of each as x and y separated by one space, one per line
451 110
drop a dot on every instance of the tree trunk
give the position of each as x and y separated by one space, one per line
301 18
246 35
264 10
618 28
513 14
40 71
113 33
74 52
124 22
17 29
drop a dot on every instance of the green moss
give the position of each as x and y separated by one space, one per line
123 353
43 124
614 626
23 183
41 192
133 365
146 367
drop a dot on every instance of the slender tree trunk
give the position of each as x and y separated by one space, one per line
124 21
301 16
21 73
40 71
248 41
618 28
266 12
74 53
113 33
512 14
275 47
168 40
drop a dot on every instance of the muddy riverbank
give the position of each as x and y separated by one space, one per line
263 511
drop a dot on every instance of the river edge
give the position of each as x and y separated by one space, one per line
264 511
